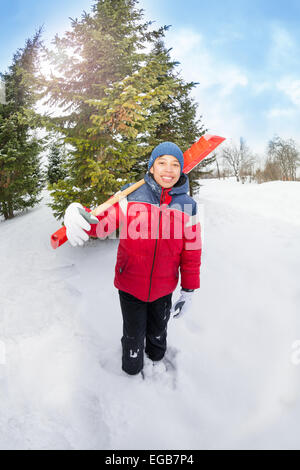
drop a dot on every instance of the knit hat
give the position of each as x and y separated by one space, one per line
166 148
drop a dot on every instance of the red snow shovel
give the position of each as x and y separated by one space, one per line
192 156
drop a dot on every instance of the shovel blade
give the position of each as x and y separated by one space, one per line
199 150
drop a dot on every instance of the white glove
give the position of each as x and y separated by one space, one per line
76 220
182 304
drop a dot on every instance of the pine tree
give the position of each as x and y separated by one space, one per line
21 179
175 116
105 87
189 129
131 113
56 164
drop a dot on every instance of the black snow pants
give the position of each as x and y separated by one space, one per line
143 321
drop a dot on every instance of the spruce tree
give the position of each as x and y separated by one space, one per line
21 179
56 164
106 85
177 115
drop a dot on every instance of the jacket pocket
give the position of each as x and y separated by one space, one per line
122 261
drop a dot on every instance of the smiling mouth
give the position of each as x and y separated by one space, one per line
167 178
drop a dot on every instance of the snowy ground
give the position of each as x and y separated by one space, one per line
235 379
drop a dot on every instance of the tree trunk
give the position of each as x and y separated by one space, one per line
218 169
4 210
10 211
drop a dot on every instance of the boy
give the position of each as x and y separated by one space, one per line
159 234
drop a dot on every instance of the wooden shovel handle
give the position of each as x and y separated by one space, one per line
192 157
116 198
60 236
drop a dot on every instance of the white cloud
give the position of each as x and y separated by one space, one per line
282 46
232 77
186 42
218 82
291 87
227 35
277 112
261 87
282 39
199 63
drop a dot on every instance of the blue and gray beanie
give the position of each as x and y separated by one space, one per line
166 148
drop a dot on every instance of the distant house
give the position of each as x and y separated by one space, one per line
2 92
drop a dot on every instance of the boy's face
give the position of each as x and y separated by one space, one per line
166 170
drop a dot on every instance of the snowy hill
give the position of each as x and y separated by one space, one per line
234 375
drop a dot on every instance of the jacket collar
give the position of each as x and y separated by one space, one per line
181 187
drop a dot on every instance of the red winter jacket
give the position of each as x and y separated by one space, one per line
159 233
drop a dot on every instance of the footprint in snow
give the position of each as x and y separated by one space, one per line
164 371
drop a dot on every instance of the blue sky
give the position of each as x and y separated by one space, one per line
245 54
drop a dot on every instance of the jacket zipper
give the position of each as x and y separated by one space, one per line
163 197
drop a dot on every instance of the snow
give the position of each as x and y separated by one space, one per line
230 380
2 92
